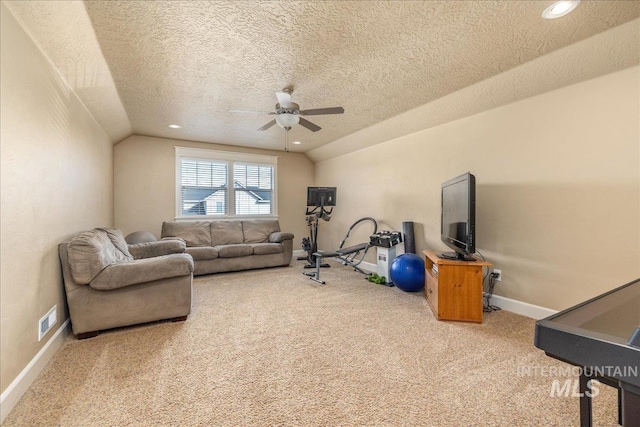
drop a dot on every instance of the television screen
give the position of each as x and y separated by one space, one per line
321 196
458 214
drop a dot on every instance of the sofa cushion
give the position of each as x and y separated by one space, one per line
267 248
118 240
91 252
258 231
234 251
194 233
128 273
203 252
226 232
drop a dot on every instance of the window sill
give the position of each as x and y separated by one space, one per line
222 217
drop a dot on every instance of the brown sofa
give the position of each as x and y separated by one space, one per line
232 245
109 284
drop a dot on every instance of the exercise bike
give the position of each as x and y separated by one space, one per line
310 244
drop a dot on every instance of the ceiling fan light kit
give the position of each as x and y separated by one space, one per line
285 120
288 114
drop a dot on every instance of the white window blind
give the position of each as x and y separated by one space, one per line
253 186
203 187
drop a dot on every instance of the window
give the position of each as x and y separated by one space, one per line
203 190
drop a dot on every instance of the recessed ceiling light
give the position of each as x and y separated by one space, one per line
297 142
559 9
175 126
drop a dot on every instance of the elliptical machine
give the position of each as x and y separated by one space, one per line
318 198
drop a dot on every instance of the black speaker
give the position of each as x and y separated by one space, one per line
409 241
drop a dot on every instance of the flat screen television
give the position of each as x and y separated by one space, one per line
321 196
458 217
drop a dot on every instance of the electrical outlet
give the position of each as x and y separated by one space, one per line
499 273
47 321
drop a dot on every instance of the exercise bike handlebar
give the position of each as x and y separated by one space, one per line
323 213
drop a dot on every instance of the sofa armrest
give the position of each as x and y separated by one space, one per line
159 248
279 237
179 239
129 273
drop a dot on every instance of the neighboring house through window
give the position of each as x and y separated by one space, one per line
203 190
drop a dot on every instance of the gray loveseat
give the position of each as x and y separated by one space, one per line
111 284
232 245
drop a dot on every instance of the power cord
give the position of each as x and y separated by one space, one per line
485 276
487 307
486 296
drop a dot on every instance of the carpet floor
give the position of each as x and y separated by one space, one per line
270 347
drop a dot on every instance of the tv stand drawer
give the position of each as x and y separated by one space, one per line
455 292
431 290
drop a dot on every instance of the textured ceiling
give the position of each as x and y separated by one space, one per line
189 62
64 32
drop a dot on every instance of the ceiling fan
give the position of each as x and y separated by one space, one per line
289 114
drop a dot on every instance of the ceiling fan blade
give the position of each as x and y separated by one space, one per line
268 125
318 111
284 99
311 126
248 111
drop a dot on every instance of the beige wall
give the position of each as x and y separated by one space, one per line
558 196
57 179
144 185
558 202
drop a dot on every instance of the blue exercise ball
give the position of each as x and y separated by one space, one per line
407 272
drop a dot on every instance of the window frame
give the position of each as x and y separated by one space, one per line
230 158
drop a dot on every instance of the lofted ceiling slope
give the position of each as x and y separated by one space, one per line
187 63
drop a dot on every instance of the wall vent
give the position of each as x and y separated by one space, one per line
47 322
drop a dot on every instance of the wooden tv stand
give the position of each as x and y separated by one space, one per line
455 292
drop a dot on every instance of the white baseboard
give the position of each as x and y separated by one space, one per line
23 381
523 308
368 266
508 304
299 252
